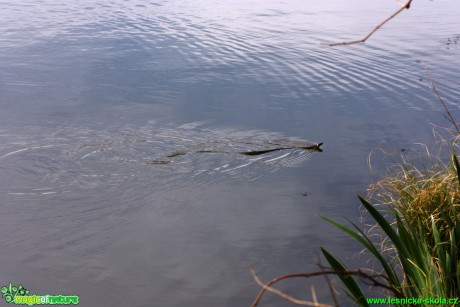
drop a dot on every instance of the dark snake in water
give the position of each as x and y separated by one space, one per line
315 147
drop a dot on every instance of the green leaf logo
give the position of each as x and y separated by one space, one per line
10 291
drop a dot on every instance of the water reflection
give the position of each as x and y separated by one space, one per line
94 97
71 157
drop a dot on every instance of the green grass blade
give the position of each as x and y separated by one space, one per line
457 167
437 238
415 253
347 280
411 254
347 230
458 275
454 214
364 240
439 247
387 266
389 231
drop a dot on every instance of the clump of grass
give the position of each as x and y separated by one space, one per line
420 256
421 194
417 211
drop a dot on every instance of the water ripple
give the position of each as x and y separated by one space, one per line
73 158
278 44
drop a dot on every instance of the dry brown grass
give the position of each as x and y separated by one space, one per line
420 191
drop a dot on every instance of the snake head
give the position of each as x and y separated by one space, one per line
316 147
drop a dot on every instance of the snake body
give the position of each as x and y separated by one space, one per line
315 147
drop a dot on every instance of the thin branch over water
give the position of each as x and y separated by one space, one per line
403 7
371 279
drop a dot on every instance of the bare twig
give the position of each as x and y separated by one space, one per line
329 283
284 295
371 279
449 116
403 7
313 295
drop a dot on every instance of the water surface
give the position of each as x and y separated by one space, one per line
95 96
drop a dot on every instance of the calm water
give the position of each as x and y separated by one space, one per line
96 97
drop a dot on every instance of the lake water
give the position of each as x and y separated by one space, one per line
97 96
